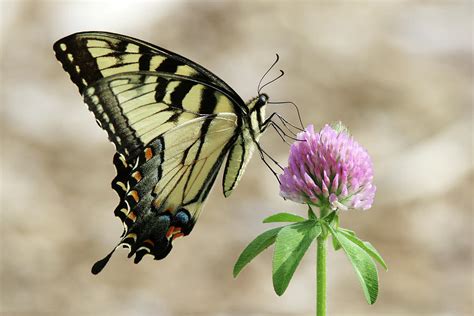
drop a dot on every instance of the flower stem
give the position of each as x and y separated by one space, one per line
321 269
321 276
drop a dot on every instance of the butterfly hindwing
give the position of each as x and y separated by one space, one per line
237 160
242 149
167 184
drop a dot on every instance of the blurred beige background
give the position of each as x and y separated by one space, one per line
398 73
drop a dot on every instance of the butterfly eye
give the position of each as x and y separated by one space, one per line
262 99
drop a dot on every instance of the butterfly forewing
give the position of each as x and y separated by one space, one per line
90 56
135 108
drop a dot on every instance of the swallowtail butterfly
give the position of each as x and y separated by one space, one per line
173 123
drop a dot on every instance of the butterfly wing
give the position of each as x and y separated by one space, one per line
242 149
237 160
136 107
163 191
90 56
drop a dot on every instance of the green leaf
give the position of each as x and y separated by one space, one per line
311 214
283 217
336 245
259 244
348 231
291 244
366 246
363 265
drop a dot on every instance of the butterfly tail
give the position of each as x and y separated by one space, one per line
100 265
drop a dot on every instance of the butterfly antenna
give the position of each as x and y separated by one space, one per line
259 88
282 73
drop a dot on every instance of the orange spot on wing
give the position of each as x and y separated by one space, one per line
132 216
148 153
148 241
137 175
170 232
135 196
177 235
157 203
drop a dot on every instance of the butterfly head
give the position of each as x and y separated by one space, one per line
262 100
257 103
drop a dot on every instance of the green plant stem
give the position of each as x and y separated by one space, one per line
321 276
321 269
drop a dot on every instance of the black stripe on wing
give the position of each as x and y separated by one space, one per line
144 228
90 56
236 158
136 107
158 201
77 61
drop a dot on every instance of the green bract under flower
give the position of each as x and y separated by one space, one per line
328 169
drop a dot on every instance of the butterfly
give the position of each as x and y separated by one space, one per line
173 124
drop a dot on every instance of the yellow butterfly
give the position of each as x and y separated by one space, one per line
173 123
